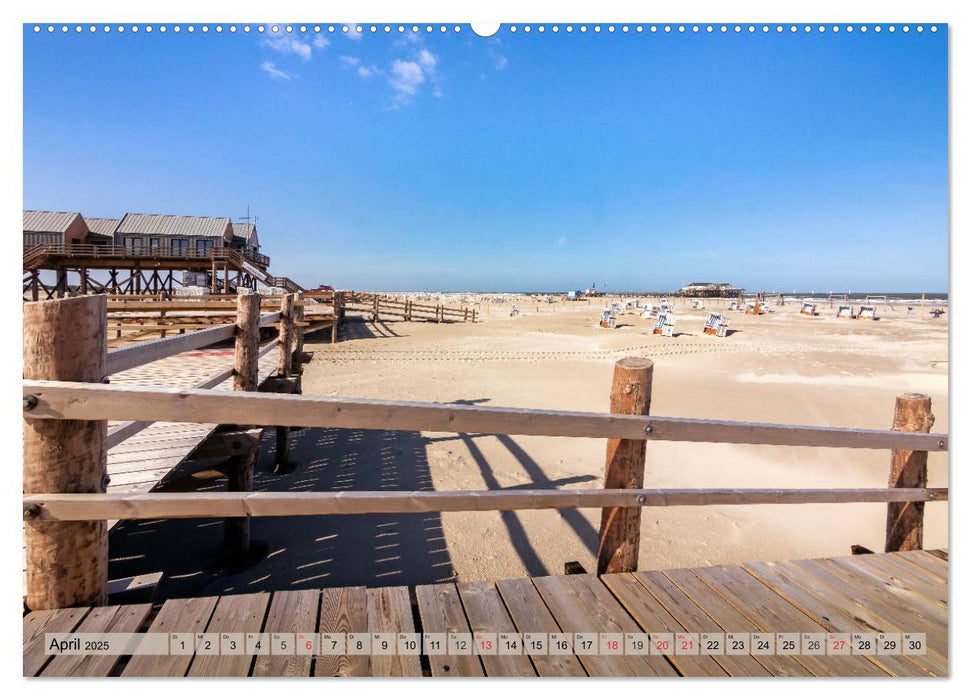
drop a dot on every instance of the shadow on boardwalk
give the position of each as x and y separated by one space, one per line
301 551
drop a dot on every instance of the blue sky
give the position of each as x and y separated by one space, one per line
775 161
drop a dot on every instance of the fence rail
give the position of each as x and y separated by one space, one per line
83 401
68 506
34 255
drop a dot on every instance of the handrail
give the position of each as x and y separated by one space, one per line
121 359
83 401
128 506
91 250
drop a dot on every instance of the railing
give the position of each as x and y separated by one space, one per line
407 309
33 255
70 391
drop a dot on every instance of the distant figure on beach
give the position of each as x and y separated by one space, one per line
909 310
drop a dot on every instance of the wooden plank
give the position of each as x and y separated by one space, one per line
107 620
41 622
839 604
771 613
581 603
441 611
487 613
389 610
916 579
693 619
342 610
925 615
67 506
77 400
234 613
829 614
925 560
187 615
915 600
293 612
652 617
530 614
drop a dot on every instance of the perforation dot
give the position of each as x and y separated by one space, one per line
863 28
724 29
569 28
934 28
920 28
891 28
527 29
555 28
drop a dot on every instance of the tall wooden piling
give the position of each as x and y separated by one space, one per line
620 528
908 469
67 562
298 318
285 369
236 531
285 364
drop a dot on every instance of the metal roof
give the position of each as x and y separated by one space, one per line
49 221
245 231
103 227
169 225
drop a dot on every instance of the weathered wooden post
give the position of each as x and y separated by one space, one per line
284 370
67 562
236 531
908 470
620 528
285 364
298 321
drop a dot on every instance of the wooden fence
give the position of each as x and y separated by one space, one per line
66 409
380 305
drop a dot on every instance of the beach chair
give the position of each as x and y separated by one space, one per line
664 326
733 306
515 310
844 311
808 309
608 319
867 312
717 325
647 311
697 304
666 307
616 309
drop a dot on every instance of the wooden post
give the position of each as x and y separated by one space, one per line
212 285
34 285
473 315
67 563
298 317
284 370
620 528
908 469
285 364
236 531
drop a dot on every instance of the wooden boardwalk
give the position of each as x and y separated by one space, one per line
143 460
897 592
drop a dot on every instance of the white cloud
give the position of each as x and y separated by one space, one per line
561 240
271 70
350 60
366 71
501 62
321 42
406 76
427 60
352 32
288 44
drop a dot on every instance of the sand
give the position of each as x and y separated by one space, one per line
780 367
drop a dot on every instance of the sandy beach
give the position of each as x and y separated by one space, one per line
779 367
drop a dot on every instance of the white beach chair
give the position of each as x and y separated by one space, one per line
733 306
608 319
647 311
697 304
515 310
867 312
664 325
844 311
716 325
808 308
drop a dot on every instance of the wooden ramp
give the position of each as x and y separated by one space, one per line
143 460
865 594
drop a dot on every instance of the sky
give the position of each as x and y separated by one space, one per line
518 162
